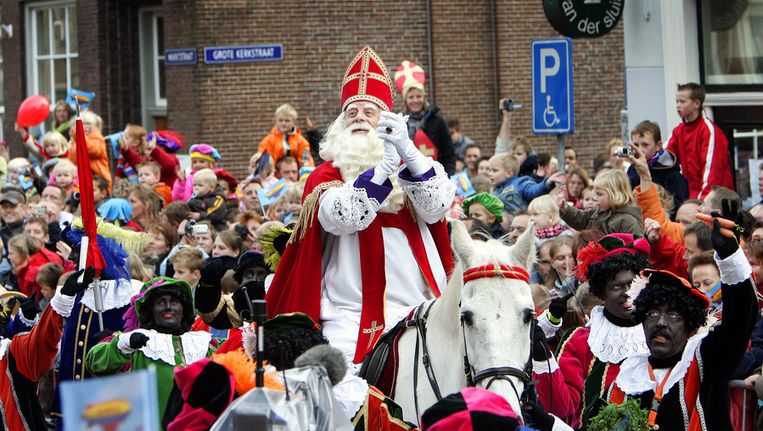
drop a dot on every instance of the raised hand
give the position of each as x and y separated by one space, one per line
29 308
72 287
129 342
558 306
394 129
723 243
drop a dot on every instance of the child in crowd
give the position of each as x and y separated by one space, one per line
260 171
526 157
616 212
208 201
696 138
100 190
483 167
203 156
293 202
205 237
187 264
149 173
285 139
515 191
544 213
589 198
227 243
65 176
488 209
53 145
47 279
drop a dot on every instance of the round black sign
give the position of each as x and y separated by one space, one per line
583 18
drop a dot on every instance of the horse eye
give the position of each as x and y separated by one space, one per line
528 315
467 317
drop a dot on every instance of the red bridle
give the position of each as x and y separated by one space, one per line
493 270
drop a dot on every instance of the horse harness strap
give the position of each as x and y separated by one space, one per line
420 322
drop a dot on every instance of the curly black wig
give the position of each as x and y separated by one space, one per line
599 273
146 313
676 298
283 347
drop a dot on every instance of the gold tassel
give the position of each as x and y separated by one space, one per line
130 241
308 210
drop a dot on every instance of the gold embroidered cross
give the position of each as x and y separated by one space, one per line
372 330
426 151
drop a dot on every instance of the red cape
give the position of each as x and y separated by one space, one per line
296 286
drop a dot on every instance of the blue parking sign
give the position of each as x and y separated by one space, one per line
553 101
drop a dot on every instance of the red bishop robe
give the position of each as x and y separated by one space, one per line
298 285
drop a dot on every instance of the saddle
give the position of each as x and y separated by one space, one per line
379 366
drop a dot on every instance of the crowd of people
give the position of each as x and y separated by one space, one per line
648 278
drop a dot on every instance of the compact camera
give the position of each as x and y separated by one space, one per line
196 229
509 105
625 151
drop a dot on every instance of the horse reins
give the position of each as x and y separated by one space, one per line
472 378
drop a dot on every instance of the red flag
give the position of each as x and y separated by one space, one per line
87 201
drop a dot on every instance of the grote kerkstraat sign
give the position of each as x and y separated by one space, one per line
583 18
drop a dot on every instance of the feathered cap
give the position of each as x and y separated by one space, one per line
116 210
224 175
656 277
274 242
490 202
367 79
129 240
204 152
170 140
609 245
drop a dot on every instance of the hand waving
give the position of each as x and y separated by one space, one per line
723 244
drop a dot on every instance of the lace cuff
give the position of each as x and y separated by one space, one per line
348 209
28 322
62 304
431 193
735 268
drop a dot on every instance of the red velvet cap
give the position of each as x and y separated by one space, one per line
367 79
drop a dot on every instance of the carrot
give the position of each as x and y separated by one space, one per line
708 220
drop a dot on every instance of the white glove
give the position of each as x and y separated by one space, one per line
123 344
388 165
398 135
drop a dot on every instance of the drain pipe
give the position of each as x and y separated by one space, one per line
496 69
430 52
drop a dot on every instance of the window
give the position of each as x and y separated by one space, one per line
153 83
748 154
732 42
53 62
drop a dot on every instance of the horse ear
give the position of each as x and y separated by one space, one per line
523 252
461 241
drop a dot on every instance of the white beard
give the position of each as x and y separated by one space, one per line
355 153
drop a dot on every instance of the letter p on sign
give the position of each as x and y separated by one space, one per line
547 69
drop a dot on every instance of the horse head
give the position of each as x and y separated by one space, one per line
496 310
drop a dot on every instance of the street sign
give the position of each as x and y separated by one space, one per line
242 54
553 103
180 57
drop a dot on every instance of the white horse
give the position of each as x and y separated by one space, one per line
487 306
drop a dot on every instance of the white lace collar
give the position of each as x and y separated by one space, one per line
634 373
116 294
612 343
195 346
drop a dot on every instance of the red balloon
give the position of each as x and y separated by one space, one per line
33 111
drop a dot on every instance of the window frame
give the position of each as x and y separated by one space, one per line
716 88
32 57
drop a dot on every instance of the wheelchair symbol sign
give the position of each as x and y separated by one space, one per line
553 101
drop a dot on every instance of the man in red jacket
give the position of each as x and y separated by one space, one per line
700 145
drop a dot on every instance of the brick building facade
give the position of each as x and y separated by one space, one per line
474 53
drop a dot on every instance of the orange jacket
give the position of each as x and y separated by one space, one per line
164 191
649 201
273 145
96 149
